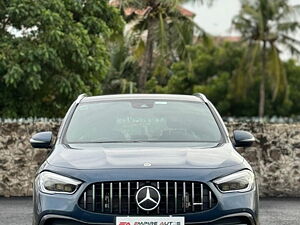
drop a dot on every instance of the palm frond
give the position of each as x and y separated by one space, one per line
198 28
291 43
293 50
276 73
163 35
288 26
287 38
243 77
139 50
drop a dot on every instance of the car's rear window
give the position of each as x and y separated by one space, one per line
142 121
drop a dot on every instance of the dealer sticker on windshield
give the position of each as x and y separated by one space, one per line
176 220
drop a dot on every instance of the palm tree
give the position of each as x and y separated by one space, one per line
266 26
122 70
159 34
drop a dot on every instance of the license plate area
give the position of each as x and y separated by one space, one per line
150 220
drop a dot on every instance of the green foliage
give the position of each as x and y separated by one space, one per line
121 77
51 51
293 76
158 37
266 25
213 68
207 62
217 88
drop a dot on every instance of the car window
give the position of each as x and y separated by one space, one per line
142 121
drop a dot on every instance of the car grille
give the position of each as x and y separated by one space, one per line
177 197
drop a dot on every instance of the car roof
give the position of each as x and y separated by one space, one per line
173 97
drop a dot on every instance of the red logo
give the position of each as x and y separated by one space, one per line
124 223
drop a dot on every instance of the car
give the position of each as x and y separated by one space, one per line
144 159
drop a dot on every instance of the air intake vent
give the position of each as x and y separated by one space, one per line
177 197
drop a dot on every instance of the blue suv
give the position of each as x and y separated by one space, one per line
144 160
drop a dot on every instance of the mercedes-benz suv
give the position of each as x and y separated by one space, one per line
144 160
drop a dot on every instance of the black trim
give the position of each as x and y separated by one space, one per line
219 123
67 122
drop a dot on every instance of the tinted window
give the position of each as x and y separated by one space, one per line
142 121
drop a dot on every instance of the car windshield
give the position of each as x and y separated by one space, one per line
142 121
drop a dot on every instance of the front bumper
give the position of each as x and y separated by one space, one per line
59 209
231 219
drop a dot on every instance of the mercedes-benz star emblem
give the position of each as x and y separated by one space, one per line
147 198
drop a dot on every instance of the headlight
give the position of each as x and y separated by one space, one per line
52 183
241 181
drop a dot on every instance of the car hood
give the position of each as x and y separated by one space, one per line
106 156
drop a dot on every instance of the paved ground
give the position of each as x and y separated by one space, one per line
17 211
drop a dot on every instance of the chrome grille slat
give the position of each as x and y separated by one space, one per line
184 197
111 197
84 200
128 198
157 185
120 197
193 196
137 187
177 197
93 196
201 192
167 197
102 197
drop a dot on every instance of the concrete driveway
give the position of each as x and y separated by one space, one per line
18 211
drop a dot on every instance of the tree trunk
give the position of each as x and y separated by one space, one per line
262 88
147 58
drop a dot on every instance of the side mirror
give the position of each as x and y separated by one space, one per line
41 140
243 138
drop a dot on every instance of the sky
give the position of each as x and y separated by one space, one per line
216 19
